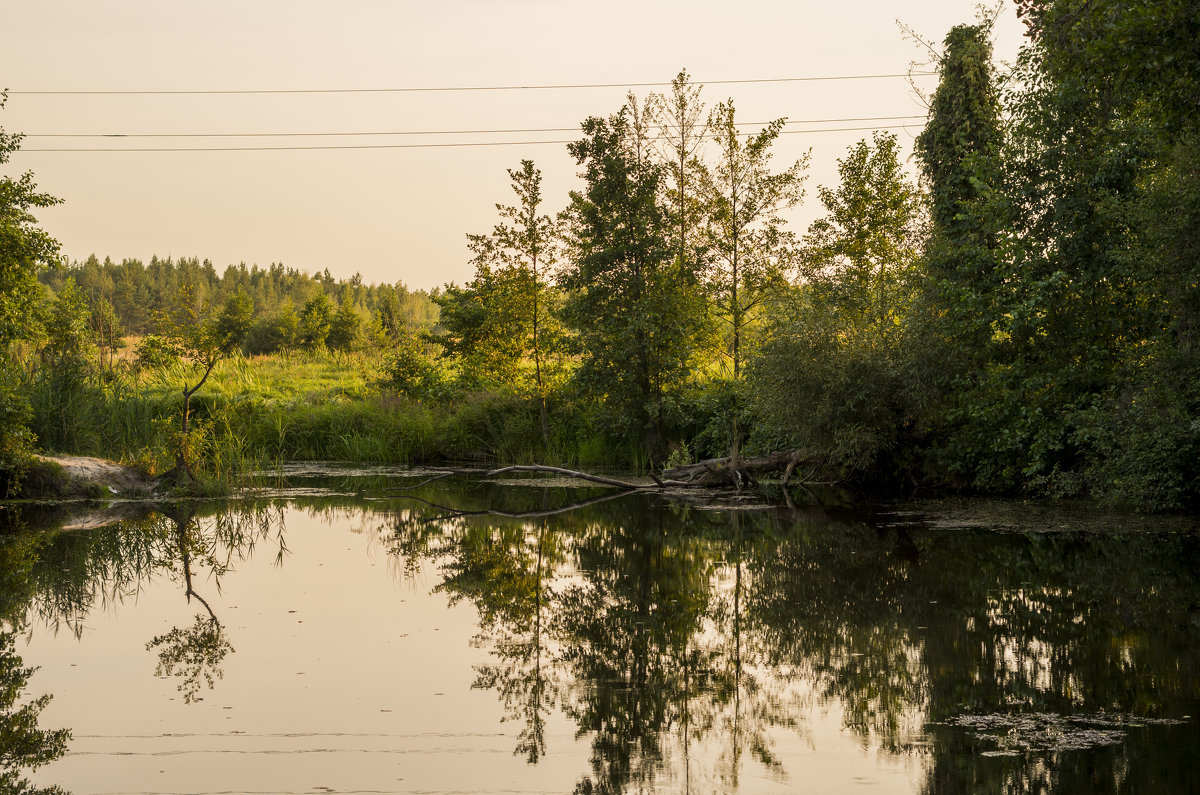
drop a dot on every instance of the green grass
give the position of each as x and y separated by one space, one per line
255 413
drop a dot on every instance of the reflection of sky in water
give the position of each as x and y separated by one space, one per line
630 645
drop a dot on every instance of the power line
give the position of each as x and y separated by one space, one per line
418 132
416 89
454 144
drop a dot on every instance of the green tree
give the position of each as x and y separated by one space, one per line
25 249
748 244
192 331
636 322
232 324
315 321
345 328
107 332
1101 293
63 382
963 126
505 314
835 374
530 244
683 133
482 324
1057 305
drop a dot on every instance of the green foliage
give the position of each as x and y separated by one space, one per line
155 352
345 328
485 328
24 248
68 330
1063 259
835 374
505 315
747 245
141 291
232 324
16 439
274 333
315 321
412 373
628 300
964 124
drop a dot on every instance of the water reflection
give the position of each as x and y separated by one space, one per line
83 571
661 630
691 647
24 745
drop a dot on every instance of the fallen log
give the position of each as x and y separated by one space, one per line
711 473
571 473
718 471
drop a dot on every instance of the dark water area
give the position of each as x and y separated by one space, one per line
328 635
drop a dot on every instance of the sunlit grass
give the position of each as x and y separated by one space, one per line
259 412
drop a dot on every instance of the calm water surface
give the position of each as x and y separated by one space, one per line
471 637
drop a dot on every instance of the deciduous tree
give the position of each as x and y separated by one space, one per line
636 323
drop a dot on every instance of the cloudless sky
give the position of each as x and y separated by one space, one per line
402 214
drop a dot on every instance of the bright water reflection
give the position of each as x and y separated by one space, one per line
473 637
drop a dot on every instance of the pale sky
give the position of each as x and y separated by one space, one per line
402 214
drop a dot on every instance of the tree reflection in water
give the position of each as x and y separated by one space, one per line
23 744
681 640
80 571
687 644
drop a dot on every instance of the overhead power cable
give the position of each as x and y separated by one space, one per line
522 130
417 89
445 144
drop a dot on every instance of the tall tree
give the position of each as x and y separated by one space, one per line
193 333
834 372
636 322
746 235
680 143
522 251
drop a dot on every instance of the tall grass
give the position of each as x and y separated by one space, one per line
268 410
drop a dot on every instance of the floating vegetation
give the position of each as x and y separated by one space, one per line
1015 734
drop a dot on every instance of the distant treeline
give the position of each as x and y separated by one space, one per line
139 294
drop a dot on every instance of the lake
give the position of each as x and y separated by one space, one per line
329 635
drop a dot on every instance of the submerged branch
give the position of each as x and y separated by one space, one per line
454 513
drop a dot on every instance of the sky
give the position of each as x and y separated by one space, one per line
402 214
